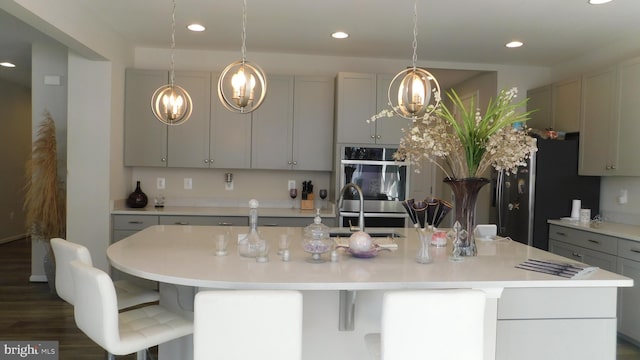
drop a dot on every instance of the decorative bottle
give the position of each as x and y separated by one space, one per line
137 199
252 245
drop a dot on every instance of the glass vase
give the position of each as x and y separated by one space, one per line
465 192
424 253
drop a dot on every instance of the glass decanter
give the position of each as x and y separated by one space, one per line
252 244
316 239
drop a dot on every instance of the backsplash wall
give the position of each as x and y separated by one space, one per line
610 188
263 185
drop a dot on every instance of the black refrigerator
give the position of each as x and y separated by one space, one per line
542 190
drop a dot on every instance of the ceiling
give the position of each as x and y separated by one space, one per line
465 31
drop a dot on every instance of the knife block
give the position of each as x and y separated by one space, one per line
306 204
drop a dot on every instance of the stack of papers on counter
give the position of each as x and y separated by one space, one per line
565 269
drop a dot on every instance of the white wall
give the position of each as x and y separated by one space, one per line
89 153
15 150
48 59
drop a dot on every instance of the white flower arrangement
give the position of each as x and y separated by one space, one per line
469 147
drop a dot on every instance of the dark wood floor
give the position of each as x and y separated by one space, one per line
29 311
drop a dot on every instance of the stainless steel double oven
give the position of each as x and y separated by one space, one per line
384 183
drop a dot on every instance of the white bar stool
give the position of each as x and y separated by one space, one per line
430 324
65 251
248 324
133 331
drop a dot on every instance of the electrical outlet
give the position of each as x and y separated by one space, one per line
160 183
623 197
188 183
291 184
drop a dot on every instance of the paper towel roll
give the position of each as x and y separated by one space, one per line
575 208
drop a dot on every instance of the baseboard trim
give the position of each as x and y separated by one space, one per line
38 278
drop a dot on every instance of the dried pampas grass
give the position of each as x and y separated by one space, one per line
45 197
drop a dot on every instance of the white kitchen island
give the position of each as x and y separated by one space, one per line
529 315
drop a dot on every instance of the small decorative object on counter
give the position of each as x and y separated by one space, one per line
222 240
458 236
137 199
424 253
253 245
316 239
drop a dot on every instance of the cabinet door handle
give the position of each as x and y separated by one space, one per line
378 137
295 163
137 222
635 250
163 159
594 241
180 223
373 136
225 224
578 255
560 233
272 224
206 161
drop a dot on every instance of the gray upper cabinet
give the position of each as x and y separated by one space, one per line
293 129
189 142
313 123
355 103
359 97
540 103
271 135
629 118
145 138
230 136
556 106
599 124
388 129
566 105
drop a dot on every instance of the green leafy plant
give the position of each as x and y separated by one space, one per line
468 145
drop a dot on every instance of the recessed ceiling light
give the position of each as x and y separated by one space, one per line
7 64
339 35
196 27
514 44
598 2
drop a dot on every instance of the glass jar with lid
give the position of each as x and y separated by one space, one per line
316 239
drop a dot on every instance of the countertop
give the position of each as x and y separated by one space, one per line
185 255
629 232
222 208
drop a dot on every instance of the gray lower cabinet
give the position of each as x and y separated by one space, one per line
610 253
584 246
204 220
126 225
629 298
292 221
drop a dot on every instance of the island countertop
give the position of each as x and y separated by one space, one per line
625 231
185 255
574 318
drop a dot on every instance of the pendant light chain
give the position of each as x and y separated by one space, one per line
415 33
173 42
244 30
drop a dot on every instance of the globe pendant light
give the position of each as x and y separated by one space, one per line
242 85
170 103
418 91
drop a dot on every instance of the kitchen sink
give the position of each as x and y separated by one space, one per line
345 232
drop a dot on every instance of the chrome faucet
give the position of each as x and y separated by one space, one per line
360 195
